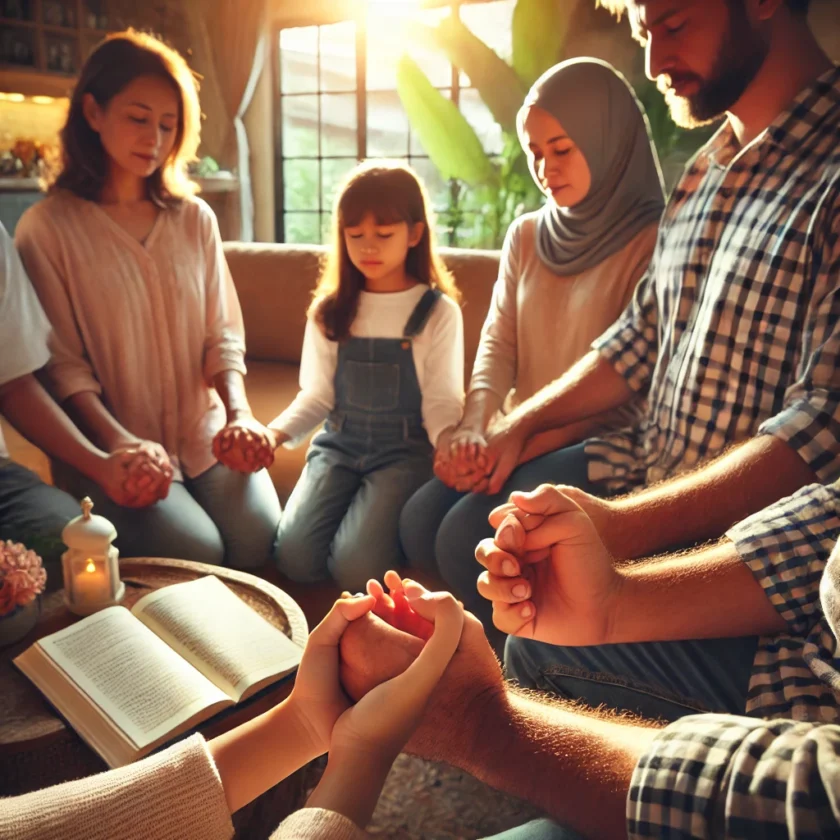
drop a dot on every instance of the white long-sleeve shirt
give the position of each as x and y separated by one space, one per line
438 358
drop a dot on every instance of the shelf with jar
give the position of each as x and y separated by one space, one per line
48 37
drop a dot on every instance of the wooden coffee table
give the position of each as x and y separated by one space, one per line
38 749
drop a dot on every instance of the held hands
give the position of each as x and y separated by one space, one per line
137 474
548 574
245 445
322 705
460 460
383 720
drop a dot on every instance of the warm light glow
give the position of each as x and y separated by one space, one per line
389 19
12 97
91 566
43 100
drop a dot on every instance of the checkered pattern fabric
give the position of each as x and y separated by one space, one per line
735 329
709 776
787 546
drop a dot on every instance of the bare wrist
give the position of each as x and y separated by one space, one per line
237 415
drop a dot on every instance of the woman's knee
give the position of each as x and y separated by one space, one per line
417 531
461 531
202 546
353 561
252 542
299 556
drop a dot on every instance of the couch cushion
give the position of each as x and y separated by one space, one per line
274 284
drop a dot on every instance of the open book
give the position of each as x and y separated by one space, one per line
129 681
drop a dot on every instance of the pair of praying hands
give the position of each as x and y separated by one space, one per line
245 445
547 571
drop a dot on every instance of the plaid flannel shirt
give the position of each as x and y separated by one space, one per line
787 547
710 776
735 329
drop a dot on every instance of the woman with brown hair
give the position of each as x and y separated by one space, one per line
148 344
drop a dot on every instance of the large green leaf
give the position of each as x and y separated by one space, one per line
496 81
539 33
448 139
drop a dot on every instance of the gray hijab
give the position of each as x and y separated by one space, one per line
599 111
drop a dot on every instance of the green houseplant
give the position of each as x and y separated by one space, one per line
490 191
493 191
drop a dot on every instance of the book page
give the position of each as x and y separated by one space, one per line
213 629
136 679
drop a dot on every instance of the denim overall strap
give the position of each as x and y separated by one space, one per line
421 313
377 393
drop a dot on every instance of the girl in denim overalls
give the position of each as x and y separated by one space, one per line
382 363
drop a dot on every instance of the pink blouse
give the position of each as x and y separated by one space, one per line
147 326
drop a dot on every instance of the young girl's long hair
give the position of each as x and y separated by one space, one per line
391 192
115 63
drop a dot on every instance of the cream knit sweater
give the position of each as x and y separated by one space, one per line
174 795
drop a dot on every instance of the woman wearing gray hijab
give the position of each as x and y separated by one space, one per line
567 272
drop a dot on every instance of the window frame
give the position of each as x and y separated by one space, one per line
355 13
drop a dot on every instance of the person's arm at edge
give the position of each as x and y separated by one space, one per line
32 411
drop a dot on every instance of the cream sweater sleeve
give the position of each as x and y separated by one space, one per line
495 362
174 795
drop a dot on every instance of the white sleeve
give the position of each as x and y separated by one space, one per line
316 397
442 383
24 328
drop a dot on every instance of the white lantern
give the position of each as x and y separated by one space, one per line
90 564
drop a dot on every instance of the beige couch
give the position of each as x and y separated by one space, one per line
274 283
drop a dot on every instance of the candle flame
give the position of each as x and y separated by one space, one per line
90 566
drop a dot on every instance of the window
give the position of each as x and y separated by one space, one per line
339 104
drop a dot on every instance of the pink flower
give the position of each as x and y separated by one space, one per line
22 576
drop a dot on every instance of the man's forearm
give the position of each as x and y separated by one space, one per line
34 413
702 505
575 765
715 593
589 387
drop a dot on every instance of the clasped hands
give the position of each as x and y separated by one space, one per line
245 444
381 722
469 461
547 571
136 473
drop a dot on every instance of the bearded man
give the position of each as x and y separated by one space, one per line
733 338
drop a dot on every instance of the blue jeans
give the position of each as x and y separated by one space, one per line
341 520
221 517
440 527
537 830
35 513
656 680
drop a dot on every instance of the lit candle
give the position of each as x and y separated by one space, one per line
90 564
91 584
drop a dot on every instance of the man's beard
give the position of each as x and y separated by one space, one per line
739 58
